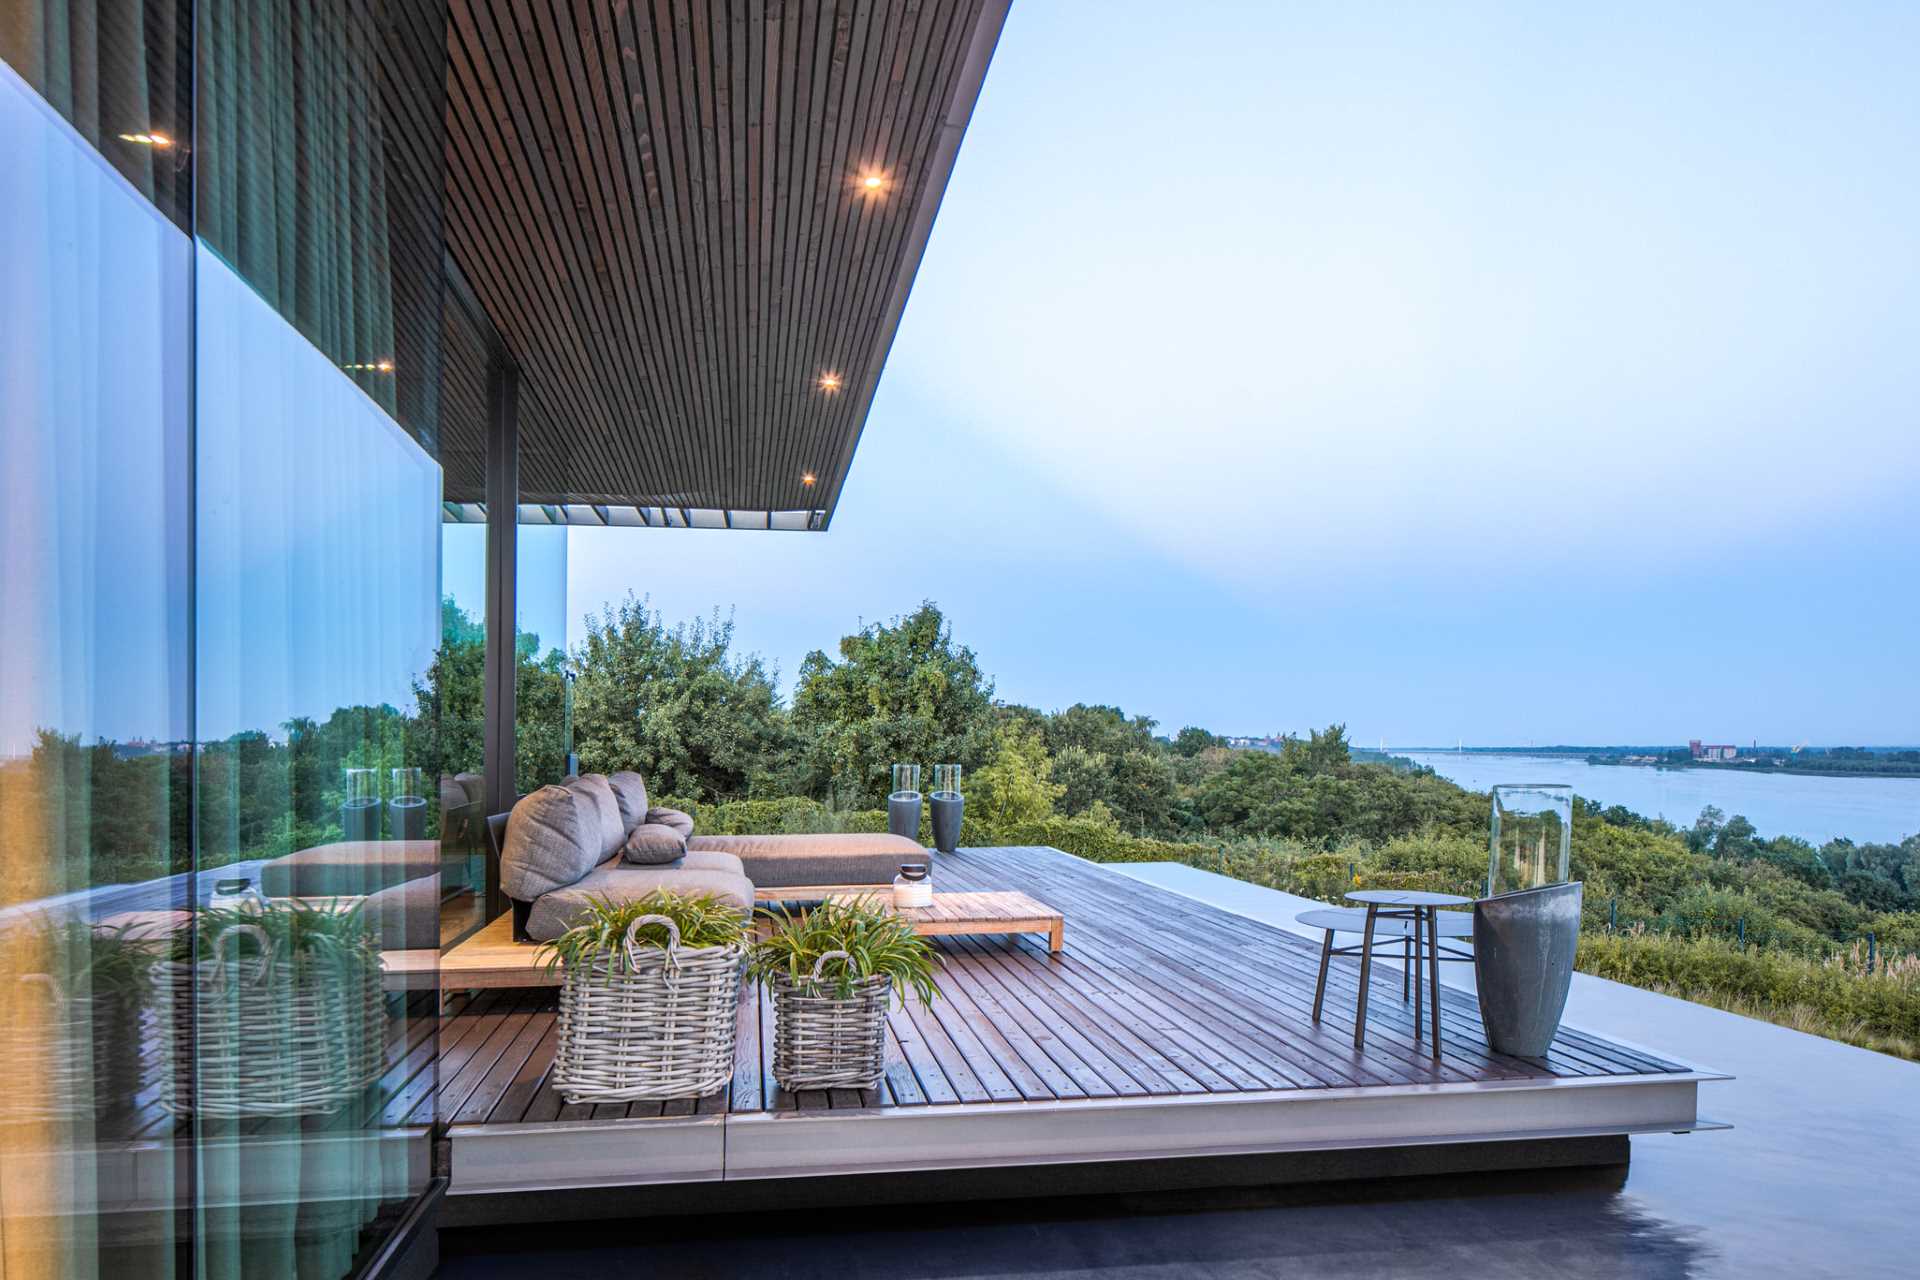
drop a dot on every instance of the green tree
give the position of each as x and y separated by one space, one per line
1191 741
1015 787
901 692
677 705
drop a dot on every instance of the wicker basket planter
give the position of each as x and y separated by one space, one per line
825 1040
643 1022
265 1033
83 1052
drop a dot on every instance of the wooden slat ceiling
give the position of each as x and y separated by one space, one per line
661 209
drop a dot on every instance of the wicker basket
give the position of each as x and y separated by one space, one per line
84 1052
660 1026
829 1041
271 1035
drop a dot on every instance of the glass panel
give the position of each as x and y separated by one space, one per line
318 620
95 728
541 744
457 757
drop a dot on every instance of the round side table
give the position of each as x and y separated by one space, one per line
1422 909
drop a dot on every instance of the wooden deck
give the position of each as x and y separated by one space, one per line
1158 1006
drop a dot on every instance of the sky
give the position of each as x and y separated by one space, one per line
1497 373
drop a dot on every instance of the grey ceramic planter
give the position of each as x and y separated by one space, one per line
1523 949
948 809
903 814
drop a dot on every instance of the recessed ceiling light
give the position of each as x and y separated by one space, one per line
829 382
872 182
157 140
807 479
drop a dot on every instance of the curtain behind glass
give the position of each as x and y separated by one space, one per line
117 71
317 616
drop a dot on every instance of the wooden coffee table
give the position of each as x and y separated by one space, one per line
995 912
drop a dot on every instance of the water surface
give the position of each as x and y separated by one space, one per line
1813 808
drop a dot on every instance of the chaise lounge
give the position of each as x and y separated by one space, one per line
599 837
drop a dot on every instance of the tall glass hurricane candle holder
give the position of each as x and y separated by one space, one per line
407 805
360 811
948 807
903 802
1531 838
1527 929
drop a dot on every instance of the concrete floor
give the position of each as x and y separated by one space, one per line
1819 1177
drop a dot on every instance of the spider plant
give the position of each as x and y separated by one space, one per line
704 920
294 930
88 958
879 942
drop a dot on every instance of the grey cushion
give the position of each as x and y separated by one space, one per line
651 844
612 831
474 785
681 822
617 881
714 860
630 789
348 867
406 917
553 840
783 861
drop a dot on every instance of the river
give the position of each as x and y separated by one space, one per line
1813 808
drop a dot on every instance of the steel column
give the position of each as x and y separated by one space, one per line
503 506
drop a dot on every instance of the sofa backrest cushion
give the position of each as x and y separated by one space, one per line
681 822
553 839
651 844
630 790
611 832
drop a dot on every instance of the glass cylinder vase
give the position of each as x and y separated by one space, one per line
948 807
407 805
360 811
903 802
1531 838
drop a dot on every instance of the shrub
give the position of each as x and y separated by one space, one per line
1834 997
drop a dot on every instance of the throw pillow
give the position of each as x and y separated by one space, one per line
630 790
553 839
606 809
681 822
651 844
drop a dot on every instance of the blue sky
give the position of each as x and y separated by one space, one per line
1488 372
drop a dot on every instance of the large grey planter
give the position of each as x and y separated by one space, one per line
1523 951
903 814
948 809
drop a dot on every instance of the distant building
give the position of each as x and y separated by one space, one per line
1712 751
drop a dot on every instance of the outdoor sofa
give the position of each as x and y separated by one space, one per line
598 836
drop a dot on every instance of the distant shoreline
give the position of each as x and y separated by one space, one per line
1597 757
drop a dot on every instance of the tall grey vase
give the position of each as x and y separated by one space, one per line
903 814
948 808
1523 950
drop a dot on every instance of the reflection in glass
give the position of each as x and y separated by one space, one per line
1531 840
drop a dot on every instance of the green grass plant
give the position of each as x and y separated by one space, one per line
880 944
703 919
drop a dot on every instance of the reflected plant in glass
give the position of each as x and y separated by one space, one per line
1530 843
903 802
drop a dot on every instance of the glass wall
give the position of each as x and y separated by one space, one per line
542 693
220 741
95 697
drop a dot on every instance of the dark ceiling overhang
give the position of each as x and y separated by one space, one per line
665 212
